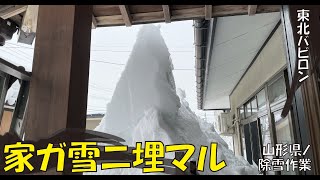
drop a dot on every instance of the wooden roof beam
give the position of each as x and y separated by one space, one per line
184 14
124 9
208 12
10 12
166 13
94 22
30 19
252 9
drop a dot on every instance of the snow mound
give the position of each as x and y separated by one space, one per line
146 107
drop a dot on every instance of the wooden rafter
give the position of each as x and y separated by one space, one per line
208 12
252 9
179 14
94 22
125 15
30 18
109 15
10 12
166 13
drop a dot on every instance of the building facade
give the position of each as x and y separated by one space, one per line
245 67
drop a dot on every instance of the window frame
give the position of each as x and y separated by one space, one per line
268 111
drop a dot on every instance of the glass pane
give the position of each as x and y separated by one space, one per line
248 143
277 90
265 130
266 137
244 152
254 106
248 109
261 97
241 112
255 146
283 133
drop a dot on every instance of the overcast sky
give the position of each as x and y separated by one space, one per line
110 49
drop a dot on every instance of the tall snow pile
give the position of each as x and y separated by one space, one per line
146 107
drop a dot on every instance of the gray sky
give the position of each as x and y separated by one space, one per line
110 49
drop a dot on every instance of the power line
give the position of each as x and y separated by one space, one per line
128 51
96 106
183 69
98 93
99 86
97 45
97 89
106 62
96 110
98 98
106 50
95 81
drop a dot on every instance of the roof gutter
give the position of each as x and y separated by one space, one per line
203 33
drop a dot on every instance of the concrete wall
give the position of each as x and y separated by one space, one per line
270 61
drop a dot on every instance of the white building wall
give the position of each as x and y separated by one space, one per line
270 61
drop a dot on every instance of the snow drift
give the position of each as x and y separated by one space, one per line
146 107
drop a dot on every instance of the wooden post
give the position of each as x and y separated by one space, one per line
59 84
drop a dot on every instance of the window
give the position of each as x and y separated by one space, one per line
261 98
262 126
282 128
255 146
241 112
246 129
250 142
277 90
248 109
265 130
283 133
243 143
265 137
254 106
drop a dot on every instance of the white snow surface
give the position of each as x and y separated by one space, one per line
147 107
12 93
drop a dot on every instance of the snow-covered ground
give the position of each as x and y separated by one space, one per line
146 106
